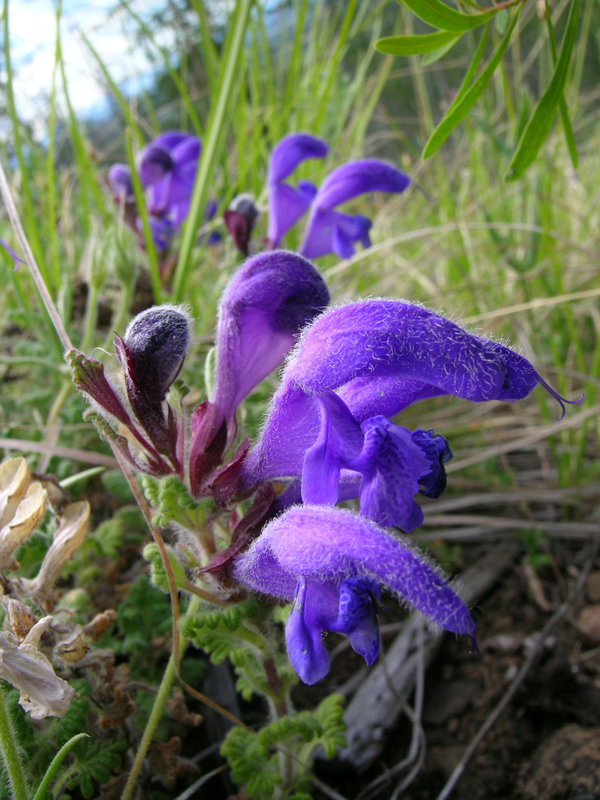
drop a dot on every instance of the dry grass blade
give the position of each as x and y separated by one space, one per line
84 456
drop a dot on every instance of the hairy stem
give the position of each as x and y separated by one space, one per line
8 748
157 708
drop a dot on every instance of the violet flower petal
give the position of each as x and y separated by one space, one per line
331 232
262 310
381 355
320 548
287 205
291 151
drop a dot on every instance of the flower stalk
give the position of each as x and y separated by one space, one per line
8 748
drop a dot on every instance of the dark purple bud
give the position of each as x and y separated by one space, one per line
157 341
152 353
119 180
240 219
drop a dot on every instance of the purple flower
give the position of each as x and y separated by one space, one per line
332 563
262 310
330 231
167 169
286 204
12 254
354 368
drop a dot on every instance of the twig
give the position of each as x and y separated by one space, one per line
13 215
61 452
512 690
521 675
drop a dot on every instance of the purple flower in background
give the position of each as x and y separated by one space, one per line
167 169
327 231
353 369
332 563
12 254
286 204
330 231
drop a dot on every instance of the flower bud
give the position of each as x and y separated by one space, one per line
156 343
240 219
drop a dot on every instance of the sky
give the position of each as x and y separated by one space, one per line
32 38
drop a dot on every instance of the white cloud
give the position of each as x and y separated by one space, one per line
33 39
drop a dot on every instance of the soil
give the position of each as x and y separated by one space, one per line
546 743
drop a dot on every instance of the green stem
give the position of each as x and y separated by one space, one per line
64 779
8 748
91 315
157 708
159 702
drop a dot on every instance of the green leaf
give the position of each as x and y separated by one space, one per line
415 45
435 55
439 15
466 98
564 111
540 124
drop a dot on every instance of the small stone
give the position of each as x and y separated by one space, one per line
589 624
592 588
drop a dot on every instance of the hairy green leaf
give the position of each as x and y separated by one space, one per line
415 45
466 98
538 127
439 15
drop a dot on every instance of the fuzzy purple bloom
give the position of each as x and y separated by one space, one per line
262 310
286 204
167 169
332 563
329 231
355 367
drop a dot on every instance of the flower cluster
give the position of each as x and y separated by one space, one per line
167 169
328 437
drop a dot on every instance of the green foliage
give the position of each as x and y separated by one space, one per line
143 615
452 25
172 503
254 756
95 760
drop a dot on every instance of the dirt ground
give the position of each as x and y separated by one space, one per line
546 743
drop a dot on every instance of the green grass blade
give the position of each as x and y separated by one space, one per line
51 193
416 45
540 124
143 214
439 15
562 106
32 227
56 762
465 101
175 77
208 51
214 141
